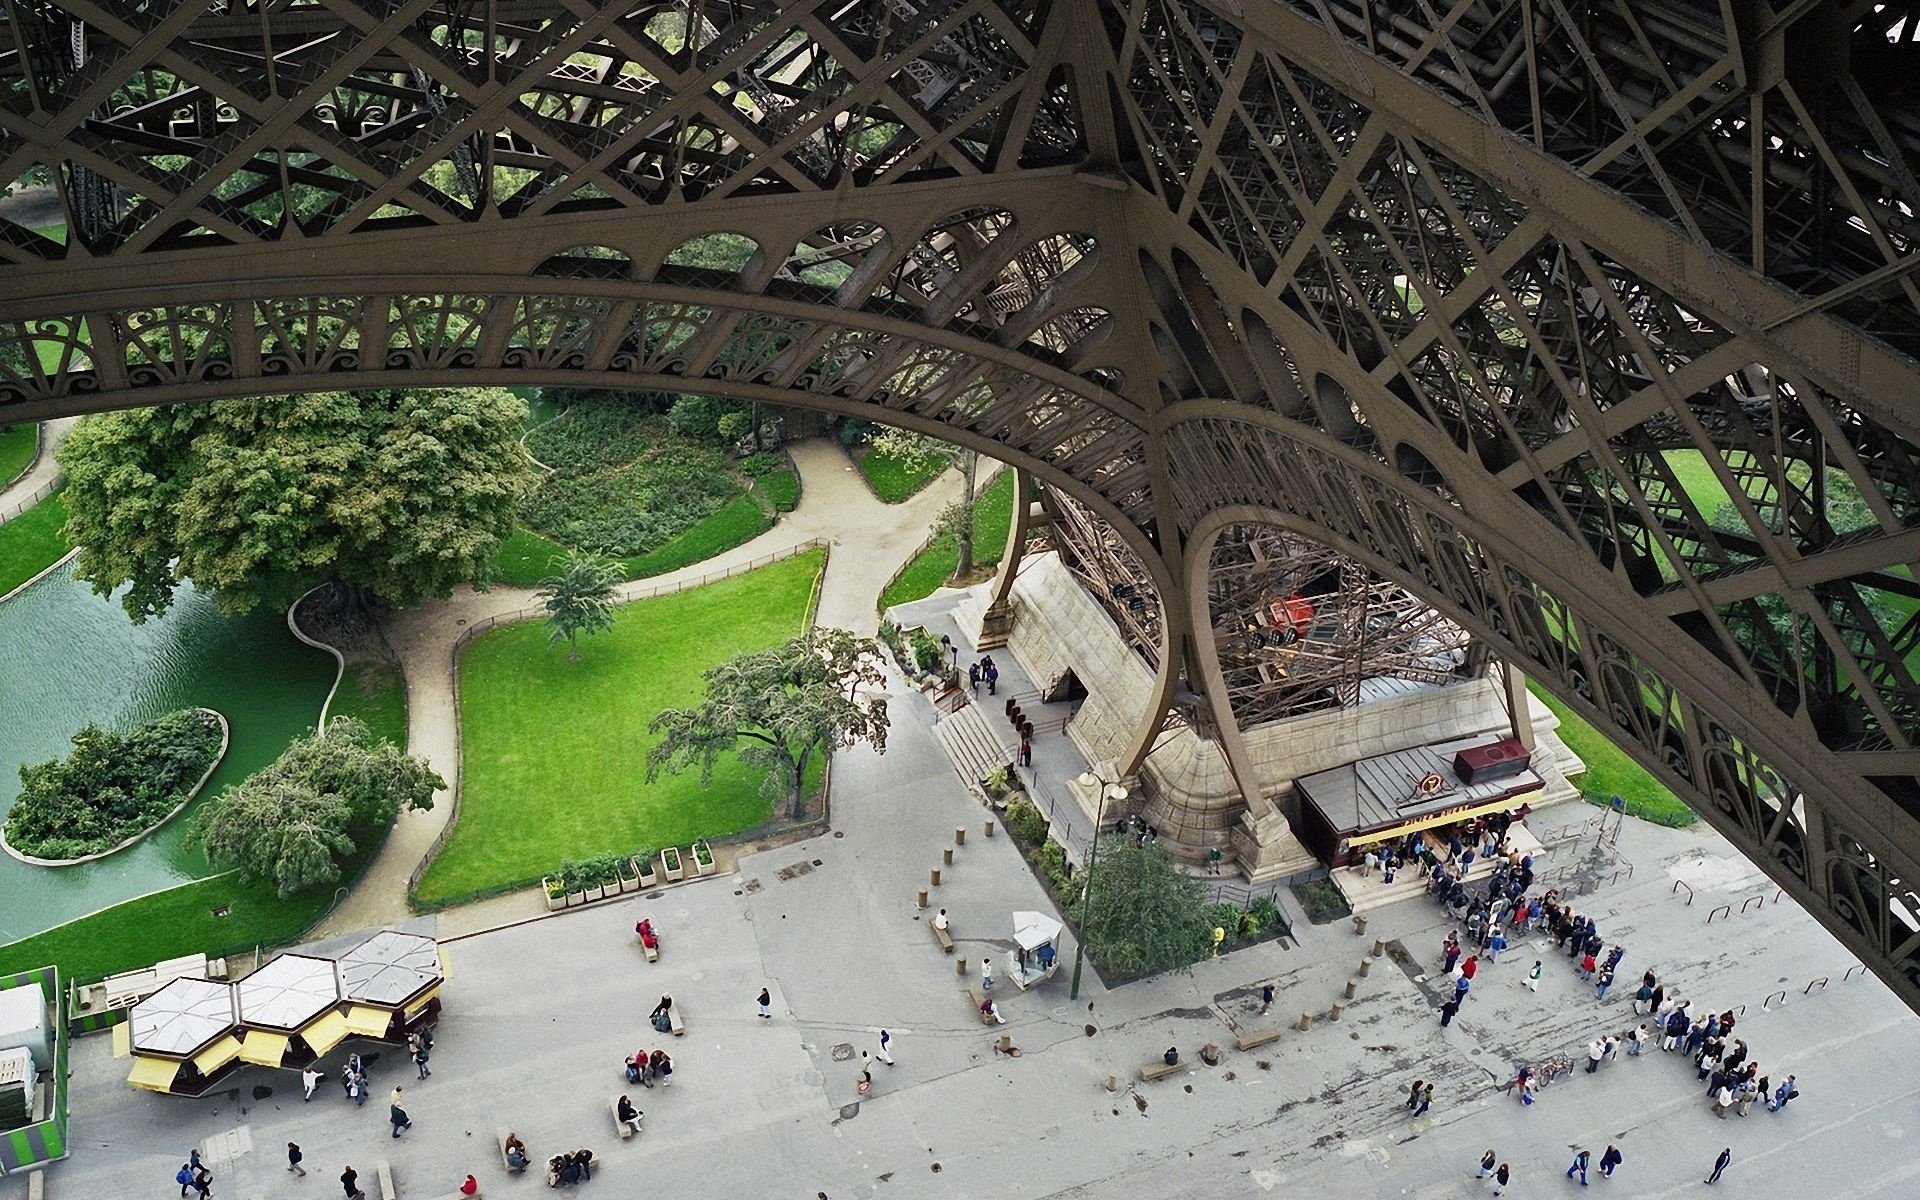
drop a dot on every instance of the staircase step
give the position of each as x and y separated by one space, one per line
970 744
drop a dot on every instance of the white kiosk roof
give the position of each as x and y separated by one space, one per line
182 1017
390 968
288 992
1034 930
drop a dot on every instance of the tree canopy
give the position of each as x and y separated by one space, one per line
114 785
579 598
1146 915
296 820
780 708
398 493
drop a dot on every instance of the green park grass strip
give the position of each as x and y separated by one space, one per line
16 450
32 542
780 488
1612 772
375 693
894 481
526 558
933 566
553 751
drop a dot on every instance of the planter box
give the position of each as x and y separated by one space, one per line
592 892
554 903
629 877
576 899
707 867
648 876
670 864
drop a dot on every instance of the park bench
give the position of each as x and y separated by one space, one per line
943 936
621 1127
502 1137
1255 1038
652 952
977 997
134 986
385 1174
1160 1068
674 1022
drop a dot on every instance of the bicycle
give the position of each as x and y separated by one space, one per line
1551 1068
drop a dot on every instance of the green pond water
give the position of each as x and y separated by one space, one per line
67 656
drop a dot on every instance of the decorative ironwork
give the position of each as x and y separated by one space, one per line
1592 325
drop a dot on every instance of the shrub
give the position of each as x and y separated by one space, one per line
998 781
1052 858
760 462
734 426
1146 915
1264 914
1026 823
1320 901
927 654
113 786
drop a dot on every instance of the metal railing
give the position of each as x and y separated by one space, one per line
16 507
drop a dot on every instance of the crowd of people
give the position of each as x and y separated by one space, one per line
566 1169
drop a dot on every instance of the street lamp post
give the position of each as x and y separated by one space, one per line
1108 791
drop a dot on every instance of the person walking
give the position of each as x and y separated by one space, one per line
420 1058
1495 945
766 998
1451 951
203 1181
1449 1010
1720 1164
1460 988
1579 1164
1413 1093
1426 1100
397 1116
1487 1161
1609 1159
1785 1092
1533 977
1469 967
293 1160
986 972
1604 981
1596 1050
350 1183
310 1079
886 1048
1637 1040
1501 1178
184 1177
1266 999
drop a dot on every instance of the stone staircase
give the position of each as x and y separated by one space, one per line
971 744
1365 895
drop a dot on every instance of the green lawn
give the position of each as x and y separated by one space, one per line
553 751
934 565
526 558
893 480
16 450
1611 772
32 542
376 694
780 488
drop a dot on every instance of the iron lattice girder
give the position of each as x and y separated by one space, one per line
1626 400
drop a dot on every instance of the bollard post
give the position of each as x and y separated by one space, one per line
1333 1014
1359 924
960 967
1113 1083
921 900
1306 1021
989 826
936 876
1379 944
1006 1043
946 856
1366 967
1353 985
959 835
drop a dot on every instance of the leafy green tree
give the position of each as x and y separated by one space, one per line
400 494
579 599
295 821
780 708
1140 914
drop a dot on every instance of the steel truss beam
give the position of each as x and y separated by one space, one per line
1589 324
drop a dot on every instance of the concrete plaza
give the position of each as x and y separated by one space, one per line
539 1015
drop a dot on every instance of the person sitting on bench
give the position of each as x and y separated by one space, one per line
940 919
1172 1056
628 1115
470 1186
649 937
992 1011
583 1159
516 1152
661 1021
557 1168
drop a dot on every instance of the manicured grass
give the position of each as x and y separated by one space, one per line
32 542
376 694
893 480
16 450
526 558
933 566
553 751
1611 772
781 489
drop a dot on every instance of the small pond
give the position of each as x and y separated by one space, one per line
67 656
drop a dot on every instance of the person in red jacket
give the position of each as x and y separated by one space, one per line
471 1187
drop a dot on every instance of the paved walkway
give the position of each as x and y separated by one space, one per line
43 471
869 541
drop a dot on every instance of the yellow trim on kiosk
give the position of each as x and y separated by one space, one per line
420 1005
264 1049
326 1033
217 1055
123 1039
368 1022
153 1074
1443 818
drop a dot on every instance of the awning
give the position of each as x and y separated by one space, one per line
1505 804
123 1039
326 1033
153 1074
264 1049
217 1055
420 1002
368 1022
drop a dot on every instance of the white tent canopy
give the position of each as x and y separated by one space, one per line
1034 930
